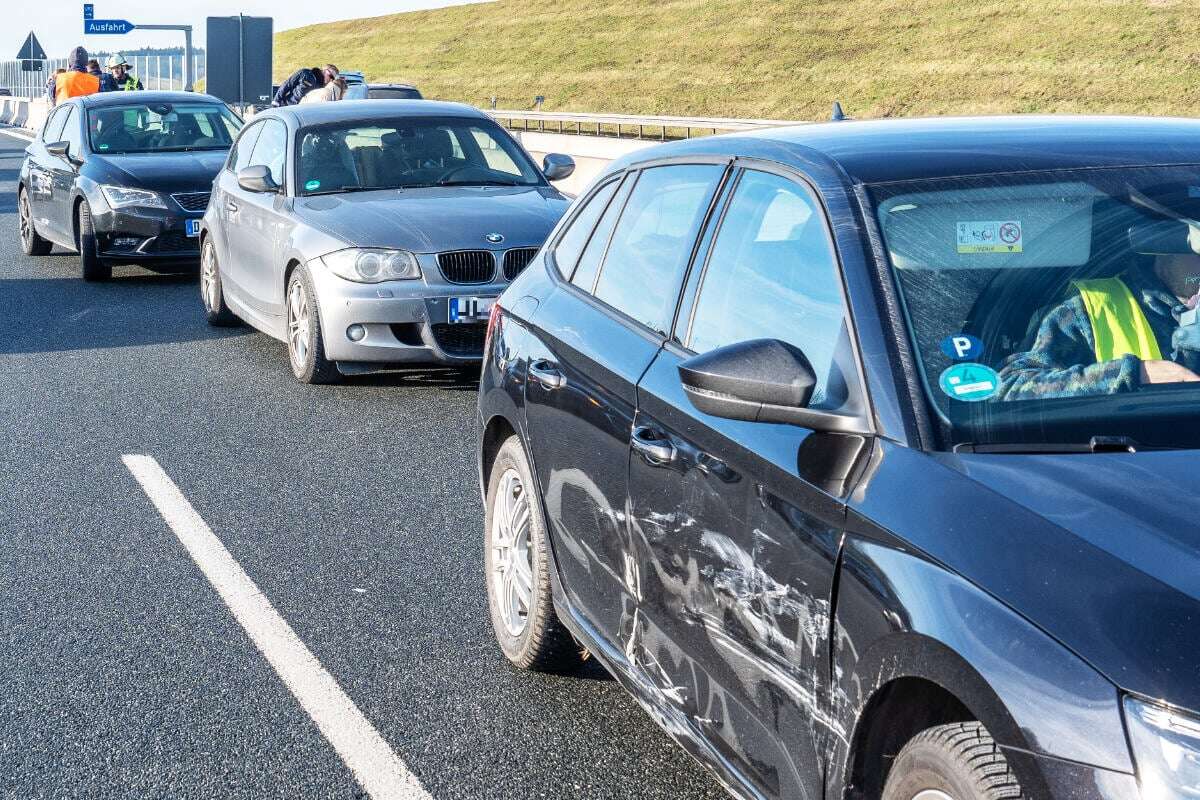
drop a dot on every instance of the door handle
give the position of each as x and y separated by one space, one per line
654 446
545 373
231 206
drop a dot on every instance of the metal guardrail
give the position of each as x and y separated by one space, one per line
624 125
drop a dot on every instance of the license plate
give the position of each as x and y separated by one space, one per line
191 227
469 309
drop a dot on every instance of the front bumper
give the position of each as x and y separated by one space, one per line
145 234
406 322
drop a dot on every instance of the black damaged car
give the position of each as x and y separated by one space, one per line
863 455
124 178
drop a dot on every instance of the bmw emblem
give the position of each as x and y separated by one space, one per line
495 238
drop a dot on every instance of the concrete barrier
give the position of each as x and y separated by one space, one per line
24 112
591 153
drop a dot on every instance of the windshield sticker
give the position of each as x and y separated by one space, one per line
962 345
103 147
970 382
312 186
996 236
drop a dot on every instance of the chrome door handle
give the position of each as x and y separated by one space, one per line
545 373
653 445
231 206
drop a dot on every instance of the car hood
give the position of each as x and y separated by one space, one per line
431 220
159 172
1118 545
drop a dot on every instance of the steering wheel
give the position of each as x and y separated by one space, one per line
462 168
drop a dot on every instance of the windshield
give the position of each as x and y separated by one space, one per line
1050 308
405 153
159 127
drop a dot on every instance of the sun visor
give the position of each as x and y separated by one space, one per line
1006 227
1162 238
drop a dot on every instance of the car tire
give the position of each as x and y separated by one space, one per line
305 340
31 243
516 554
212 292
959 761
91 266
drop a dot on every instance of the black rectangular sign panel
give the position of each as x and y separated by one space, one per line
238 53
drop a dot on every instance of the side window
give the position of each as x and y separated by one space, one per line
653 241
271 149
593 254
571 243
72 135
54 125
239 159
772 274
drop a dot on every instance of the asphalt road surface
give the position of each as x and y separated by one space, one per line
354 509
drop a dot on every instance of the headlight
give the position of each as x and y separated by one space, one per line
1166 747
372 265
123 196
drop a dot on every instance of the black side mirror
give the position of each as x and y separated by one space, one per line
257 178
763 380
557 167
59 149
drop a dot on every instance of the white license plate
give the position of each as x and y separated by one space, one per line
469 309
191 227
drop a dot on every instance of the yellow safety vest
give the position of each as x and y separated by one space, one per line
1119 326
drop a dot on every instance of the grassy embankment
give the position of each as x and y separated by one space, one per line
781 59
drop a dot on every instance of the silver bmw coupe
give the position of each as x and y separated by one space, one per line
370 235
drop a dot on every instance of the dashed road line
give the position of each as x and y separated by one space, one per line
369 757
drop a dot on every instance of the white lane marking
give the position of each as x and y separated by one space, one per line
22 135
373 762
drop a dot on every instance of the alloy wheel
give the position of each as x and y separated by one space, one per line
298 324
512 553
25 216
208 278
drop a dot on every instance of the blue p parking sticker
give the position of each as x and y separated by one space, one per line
962 345
970 382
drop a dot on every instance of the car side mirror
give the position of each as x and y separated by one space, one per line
762 380
59 149
557 167
257 178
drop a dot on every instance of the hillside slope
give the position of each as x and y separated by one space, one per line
781 58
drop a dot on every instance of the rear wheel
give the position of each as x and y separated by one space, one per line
31 243
959 761
305 340
211 291
92 267
517 565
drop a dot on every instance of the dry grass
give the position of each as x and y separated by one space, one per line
782 59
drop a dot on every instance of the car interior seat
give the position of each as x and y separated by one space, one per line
326 159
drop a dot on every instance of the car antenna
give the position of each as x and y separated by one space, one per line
838 115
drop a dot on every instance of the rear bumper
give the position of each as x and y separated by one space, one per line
405 322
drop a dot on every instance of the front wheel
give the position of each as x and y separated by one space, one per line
31 243
517 565
211 291
959 761
91 266
306 344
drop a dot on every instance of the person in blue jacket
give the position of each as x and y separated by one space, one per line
302 82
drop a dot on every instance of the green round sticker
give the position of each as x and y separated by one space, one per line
103 147
312 185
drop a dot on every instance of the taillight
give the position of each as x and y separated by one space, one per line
493 321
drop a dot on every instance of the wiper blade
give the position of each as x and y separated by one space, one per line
1097 444
477 183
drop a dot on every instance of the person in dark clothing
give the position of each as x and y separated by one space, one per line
52 85
119 78
302 82
93 68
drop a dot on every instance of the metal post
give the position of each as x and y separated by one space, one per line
188 77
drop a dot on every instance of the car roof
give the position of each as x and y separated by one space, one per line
101 99
880 151
320 113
